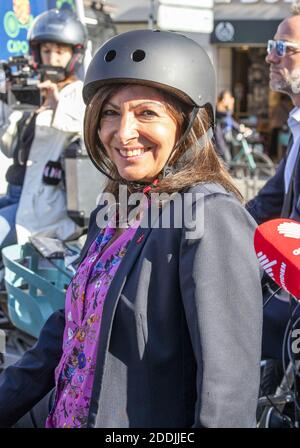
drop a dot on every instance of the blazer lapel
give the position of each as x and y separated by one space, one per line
110 304
91 236
120 278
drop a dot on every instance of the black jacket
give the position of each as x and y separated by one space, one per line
272 202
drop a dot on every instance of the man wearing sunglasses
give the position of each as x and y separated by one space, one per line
280 197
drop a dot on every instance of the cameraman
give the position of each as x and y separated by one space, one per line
37 140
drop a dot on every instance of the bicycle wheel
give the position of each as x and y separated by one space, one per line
276 410
264 166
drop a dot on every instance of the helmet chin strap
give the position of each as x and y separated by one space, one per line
208 135
75 61
167 169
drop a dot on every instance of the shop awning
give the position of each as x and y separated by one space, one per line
235 32
236 10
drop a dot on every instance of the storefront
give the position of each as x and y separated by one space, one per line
241 30
16 18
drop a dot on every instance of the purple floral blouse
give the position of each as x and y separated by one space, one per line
85 298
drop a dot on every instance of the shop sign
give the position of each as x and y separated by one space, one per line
188 16
16 17
244 31
253 1
189 3
224 32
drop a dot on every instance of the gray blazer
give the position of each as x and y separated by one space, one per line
180 336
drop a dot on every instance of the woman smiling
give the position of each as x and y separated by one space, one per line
160 329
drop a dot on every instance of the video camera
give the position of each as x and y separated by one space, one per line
19 83
19 78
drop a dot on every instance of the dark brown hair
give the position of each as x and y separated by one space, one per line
202 164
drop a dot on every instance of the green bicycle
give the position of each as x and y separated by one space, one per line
249 159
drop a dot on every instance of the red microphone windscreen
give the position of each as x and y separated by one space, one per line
277 246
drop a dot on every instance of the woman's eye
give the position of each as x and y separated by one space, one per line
149 113
109 113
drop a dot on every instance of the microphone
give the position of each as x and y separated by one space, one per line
277 246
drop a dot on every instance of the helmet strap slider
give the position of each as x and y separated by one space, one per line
208 135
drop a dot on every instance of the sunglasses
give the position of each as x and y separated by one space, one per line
281 47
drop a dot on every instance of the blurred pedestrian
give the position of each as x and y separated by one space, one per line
227 126
278 118
224 125
35 203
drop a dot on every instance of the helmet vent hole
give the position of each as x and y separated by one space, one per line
138 55
110 55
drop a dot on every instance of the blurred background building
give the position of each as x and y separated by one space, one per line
236 43
233 32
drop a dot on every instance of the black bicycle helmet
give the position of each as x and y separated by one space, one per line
62 27
164 59
161 59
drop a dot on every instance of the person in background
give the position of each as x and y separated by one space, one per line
278 118
35 203
7 198
225 109
280 197
225 125
16 136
